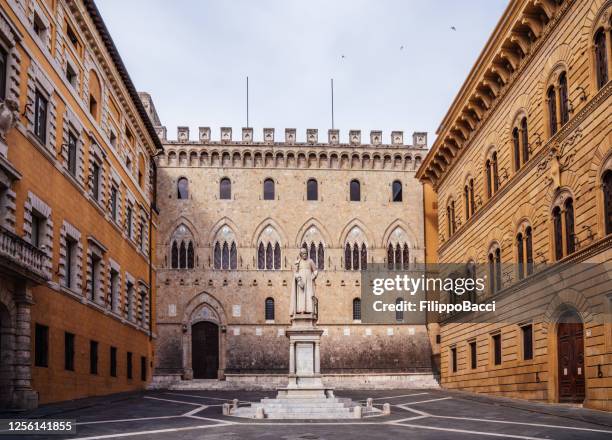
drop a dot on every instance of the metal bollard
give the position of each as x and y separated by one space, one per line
259 413
386 409
369 403
357 412
235 403
226 409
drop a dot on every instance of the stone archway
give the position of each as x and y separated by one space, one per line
204 319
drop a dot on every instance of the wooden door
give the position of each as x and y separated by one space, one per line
205 350
571 362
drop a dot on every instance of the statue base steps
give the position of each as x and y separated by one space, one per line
304 407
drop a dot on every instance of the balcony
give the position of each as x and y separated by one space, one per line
20 258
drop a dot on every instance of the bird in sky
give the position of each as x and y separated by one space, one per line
401 47
343 57
453 28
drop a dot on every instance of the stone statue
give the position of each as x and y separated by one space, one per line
303 287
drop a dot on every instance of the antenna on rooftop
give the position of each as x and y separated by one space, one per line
332 102
247 101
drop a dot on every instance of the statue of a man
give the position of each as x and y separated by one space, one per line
303 287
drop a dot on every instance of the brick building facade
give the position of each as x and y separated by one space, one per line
77 220
236 214
522 168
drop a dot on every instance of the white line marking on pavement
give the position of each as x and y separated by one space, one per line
173 401
416 411
208 418
427 401
395 397
465 431
157 431
196 410
205 397
407 419
523 423
128 420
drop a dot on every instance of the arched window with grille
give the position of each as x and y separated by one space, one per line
355 250
607 200
399 313
355 190
225 189
398 254
268 189
357 309
269 309
601 58
182 187
312 189
396 191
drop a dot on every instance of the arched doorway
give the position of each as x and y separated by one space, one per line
205 350
570 349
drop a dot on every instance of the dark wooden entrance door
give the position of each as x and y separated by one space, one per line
205 350
570 345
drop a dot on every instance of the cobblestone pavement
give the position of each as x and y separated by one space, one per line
415 414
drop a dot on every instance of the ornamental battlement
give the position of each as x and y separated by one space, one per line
419 139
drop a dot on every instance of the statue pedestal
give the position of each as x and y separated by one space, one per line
304 360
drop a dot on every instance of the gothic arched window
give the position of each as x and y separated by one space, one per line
396 193
558 232
225 189
268 189
601 58
312 189
569 226
355 190
182 249
269 250
451 224
225 250
182 256
182 187
269 309
261 257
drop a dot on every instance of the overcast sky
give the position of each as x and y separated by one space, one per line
193 57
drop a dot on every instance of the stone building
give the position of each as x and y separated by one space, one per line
522 167
236 214
77 215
